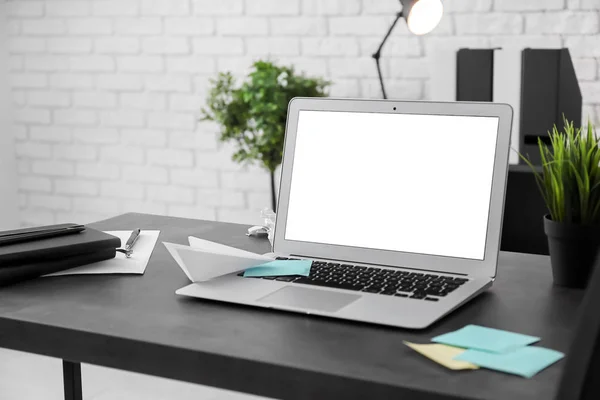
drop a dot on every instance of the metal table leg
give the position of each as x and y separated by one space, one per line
72 380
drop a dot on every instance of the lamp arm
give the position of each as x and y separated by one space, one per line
377 54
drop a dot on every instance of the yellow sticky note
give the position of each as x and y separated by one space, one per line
442 354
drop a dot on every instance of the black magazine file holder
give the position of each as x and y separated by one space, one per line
549 90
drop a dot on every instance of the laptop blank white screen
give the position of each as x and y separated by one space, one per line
401 182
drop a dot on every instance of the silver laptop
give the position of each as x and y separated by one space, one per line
398 204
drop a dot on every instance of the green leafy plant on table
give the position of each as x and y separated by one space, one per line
569 183
253 114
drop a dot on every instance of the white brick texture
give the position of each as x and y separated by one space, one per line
221 7
489 24
580 22
90 26
165 7
332 7
293 26
273 7
138 26
528 5
117 45
106 93
25 9
458 6
189 26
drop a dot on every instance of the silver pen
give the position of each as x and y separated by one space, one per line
128 250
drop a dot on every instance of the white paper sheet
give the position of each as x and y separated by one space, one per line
212 247
200 265
136 264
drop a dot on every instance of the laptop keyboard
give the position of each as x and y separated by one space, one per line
388 282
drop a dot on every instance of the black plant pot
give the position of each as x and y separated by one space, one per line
573 250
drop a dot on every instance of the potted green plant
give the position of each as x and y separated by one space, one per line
570 186
253 114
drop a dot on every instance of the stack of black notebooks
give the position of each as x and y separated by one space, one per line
29 253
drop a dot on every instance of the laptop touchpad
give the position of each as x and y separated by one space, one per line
313 299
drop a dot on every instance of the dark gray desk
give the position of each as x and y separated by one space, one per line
137 323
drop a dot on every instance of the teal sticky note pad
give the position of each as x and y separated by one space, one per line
280 268
525 361
486 339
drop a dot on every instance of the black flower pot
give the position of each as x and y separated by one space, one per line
573 250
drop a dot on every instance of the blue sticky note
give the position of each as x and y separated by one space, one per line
485 339
281 268
525 361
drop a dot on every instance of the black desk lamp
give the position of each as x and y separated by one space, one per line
422 16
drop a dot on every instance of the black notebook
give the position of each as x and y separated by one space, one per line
57 247
14 274
38 232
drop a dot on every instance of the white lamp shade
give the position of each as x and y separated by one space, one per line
424 15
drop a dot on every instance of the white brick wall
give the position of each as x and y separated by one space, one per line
9 200
106 93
